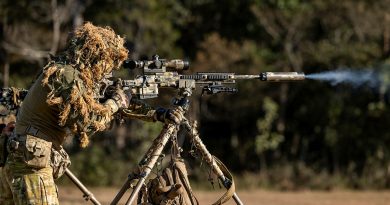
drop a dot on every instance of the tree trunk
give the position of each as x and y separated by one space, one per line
78 17
6 73
386 36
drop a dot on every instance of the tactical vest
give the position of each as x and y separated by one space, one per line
36 113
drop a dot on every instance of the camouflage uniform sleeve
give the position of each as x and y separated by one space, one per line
71 84
139 110
89 127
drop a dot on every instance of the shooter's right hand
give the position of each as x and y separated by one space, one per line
117 99
121 98
169 115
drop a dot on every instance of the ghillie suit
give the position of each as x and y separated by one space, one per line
92 53
62 101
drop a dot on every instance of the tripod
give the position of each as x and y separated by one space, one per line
151 157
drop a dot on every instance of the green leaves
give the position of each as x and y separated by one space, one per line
268 139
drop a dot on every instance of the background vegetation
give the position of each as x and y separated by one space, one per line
275 135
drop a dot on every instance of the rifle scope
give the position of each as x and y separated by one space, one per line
156 63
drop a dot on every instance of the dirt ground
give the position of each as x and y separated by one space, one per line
70 196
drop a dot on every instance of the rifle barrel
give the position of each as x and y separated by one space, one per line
226 77
243 77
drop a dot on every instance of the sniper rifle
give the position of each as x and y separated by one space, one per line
161 73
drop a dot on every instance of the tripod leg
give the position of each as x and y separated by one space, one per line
122 191
210 160
87 194
147 163
237 199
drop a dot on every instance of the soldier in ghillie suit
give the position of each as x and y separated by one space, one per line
63 101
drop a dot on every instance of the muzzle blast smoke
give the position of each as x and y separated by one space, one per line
356 78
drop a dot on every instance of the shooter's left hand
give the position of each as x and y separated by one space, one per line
169 115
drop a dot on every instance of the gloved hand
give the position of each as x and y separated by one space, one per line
121 98
169 115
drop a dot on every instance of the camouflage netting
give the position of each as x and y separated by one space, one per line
93 51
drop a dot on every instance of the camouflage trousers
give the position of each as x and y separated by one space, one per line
27 177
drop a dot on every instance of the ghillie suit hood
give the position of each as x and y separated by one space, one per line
92 52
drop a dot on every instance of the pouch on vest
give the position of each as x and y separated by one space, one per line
59 162
37 152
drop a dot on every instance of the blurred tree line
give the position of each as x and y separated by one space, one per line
278 135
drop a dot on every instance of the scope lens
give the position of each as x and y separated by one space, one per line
186 65
132 64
